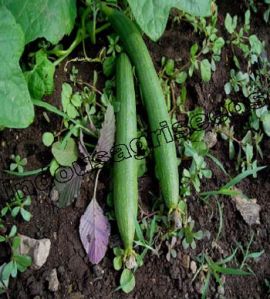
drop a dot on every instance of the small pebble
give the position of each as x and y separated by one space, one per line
76 295
98 271
54 195
193 267
210 139
186 261
53 281
61 269
221 290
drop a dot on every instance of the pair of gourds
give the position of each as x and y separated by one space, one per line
125 173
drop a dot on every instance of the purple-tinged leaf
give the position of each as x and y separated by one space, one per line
94 232
107 133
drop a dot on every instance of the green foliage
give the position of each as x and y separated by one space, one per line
189 236
118 259
152 16
73 76
18 164
17 263
3 282
61 15
17 206
145 233
127 281
266 123
112 51
211 45
195 149
216 269
17 109
41 78
66 152
193 176
247 255
114 47
171 250
238 81
170 71
205 68
18 28
250 45
253 5
70 102
53 167
170 77
47 138
245 150
266 14
227 189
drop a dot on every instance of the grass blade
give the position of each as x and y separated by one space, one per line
242 176
218 163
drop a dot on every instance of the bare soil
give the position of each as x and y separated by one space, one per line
158 278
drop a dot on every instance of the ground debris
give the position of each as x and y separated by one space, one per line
38 250
249 209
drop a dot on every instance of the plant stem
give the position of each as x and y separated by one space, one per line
79 38
53 109
27 173
103 27
96 183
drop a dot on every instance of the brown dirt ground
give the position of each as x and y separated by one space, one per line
158 278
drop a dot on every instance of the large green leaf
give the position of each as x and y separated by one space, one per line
16 107
51 19
65 154
41 78
152 15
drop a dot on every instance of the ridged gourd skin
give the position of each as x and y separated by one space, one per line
154 101
125 173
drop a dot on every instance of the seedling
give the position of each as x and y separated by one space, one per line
189 236
17 206
216 269
250 45
47 139
17 263
196 172
145 237
73 76
212 44
227 189
172 253
127 279
253 6
247 255
238 81
113 47
19 163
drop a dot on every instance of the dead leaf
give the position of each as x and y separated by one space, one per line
249 209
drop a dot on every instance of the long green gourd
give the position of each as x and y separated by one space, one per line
165 152
125 172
